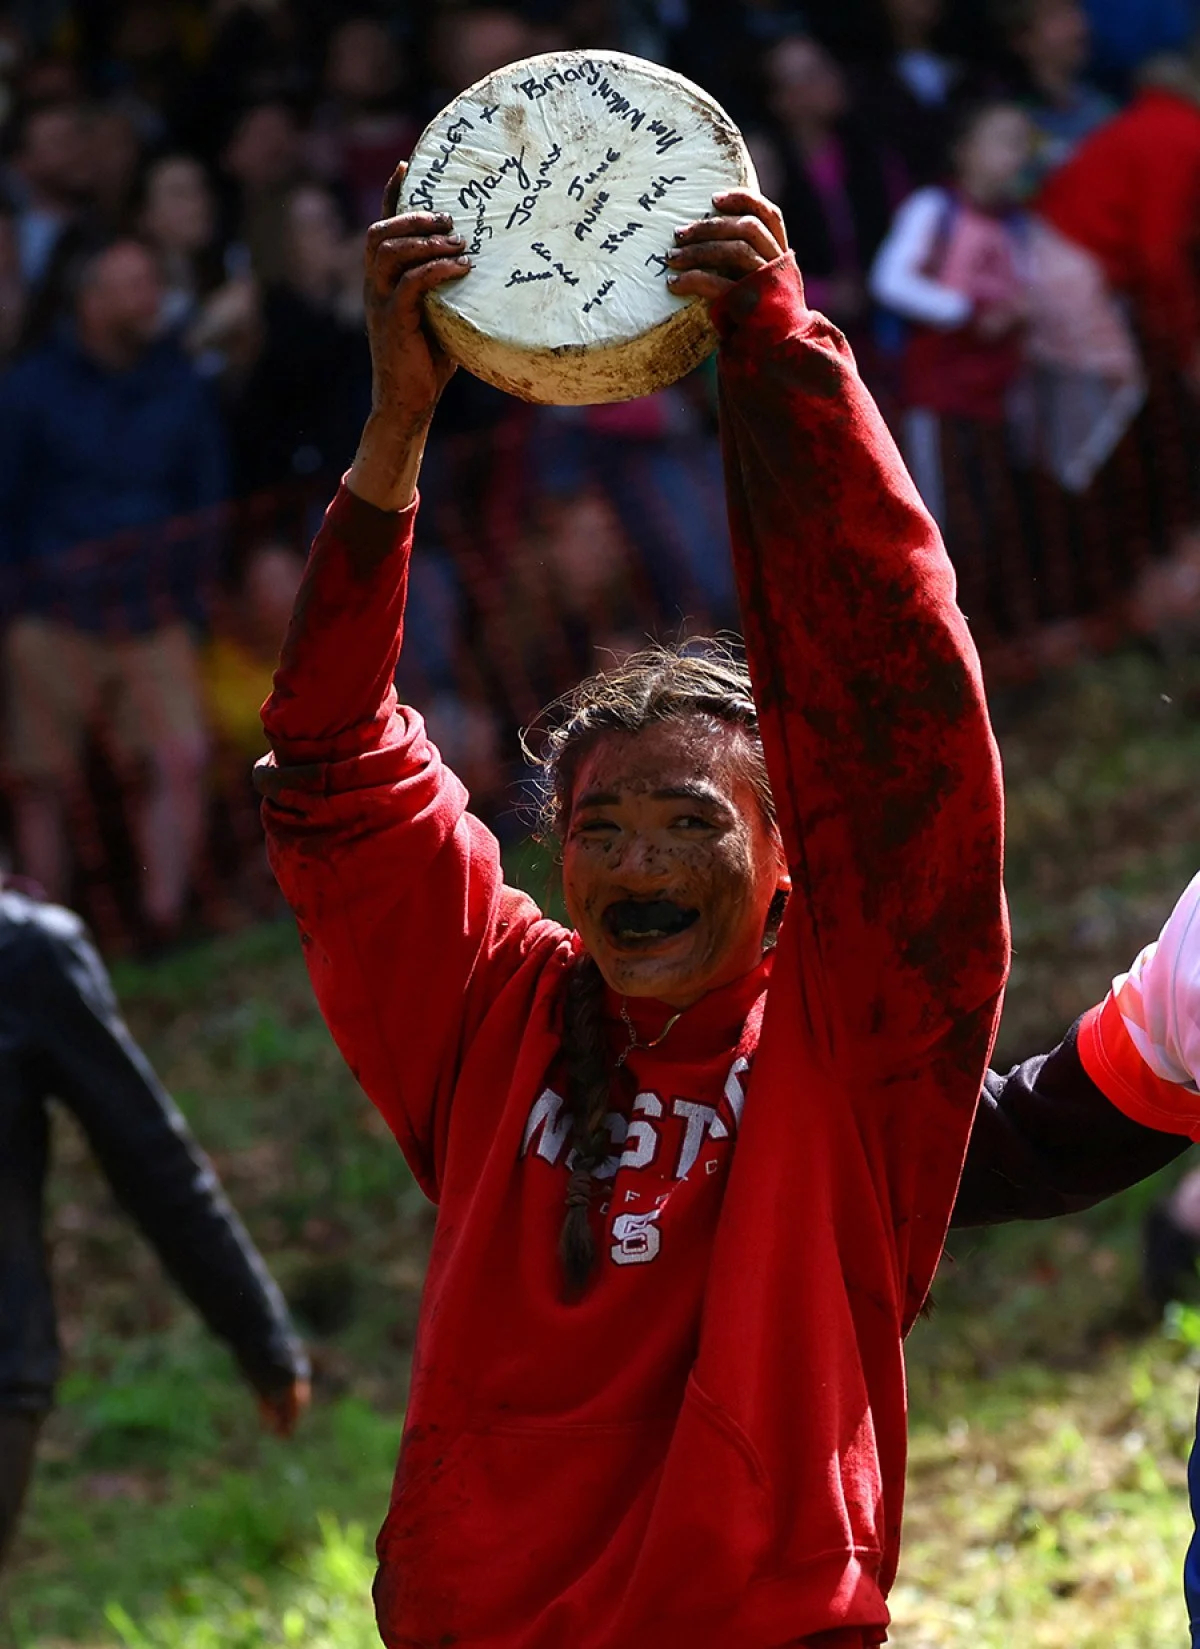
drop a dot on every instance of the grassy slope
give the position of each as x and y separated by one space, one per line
1046 1503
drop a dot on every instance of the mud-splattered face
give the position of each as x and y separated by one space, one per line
669 867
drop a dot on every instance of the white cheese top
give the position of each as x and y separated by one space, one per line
568 174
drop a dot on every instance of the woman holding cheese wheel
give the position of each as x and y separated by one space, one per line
694 1156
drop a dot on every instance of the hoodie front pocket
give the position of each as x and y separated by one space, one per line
515 1523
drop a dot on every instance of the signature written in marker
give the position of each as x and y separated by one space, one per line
539 249
423 193
613 239
666 137
595 301
584 226
523 210
481 189
483 229
657 190
579 186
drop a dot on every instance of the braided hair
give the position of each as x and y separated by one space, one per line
708 679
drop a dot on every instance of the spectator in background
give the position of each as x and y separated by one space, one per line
1125 33
952 267
147 65
52 80
256 52
52 178
828 176
907 87
241 657
214 317
178 217
1130 196
115 154
1050 41
361 129
106 436
657 463
12 285
263 159
62 1038
465 45
720 45
309 388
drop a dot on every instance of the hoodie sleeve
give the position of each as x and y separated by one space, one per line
408 928
1116 1101
884 770
1048 1141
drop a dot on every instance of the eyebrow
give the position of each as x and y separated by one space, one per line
674 793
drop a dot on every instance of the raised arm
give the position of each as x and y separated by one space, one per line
407 925
883 766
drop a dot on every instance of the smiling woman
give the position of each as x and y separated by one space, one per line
748 1069
674 873
672 859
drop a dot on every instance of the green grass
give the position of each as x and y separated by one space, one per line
1050 1509
157 1497
1050 1418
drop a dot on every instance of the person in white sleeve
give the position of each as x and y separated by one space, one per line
1141 1047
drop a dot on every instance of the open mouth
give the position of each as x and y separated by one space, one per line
638 921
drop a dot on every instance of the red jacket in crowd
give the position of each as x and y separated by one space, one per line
1131 196
708 1449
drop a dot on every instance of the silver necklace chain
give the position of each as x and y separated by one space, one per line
633 1038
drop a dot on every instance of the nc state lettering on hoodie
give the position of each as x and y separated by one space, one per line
666 1136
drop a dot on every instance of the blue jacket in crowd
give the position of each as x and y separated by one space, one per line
1126 32
94 457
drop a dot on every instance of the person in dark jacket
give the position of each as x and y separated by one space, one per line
62 1036
836 186
1048 1141
299 411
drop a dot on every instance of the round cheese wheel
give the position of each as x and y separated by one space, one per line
568 174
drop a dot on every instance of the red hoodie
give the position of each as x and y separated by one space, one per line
708 1450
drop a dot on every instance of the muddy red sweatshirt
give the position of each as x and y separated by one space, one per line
708 1449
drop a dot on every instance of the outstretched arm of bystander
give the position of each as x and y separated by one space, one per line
88 1059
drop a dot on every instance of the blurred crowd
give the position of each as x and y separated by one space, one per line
1000 205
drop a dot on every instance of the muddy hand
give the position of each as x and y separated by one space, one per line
280 1410
745 233
407 255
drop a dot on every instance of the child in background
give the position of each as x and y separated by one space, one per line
953 268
